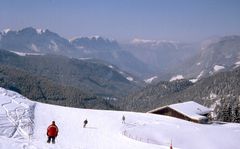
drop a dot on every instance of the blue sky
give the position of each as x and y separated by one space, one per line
182 20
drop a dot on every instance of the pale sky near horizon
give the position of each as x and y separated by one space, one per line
181 20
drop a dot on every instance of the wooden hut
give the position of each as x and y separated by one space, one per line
190 111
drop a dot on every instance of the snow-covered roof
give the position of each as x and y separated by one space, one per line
190 109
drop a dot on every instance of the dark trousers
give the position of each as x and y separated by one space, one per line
51 138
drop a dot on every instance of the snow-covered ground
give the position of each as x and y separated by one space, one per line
23 125
198 77
217 68
237 64
177 77
25 54
149 80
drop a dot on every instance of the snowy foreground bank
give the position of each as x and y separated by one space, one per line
23 125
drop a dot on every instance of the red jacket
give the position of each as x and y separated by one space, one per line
52 130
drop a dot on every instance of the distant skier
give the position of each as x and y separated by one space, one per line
123 119
52 132
85 123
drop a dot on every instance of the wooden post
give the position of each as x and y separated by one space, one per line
171 145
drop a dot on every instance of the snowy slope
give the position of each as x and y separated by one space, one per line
105 129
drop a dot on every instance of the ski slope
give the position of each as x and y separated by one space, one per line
23 125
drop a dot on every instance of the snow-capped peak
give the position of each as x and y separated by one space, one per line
129 78
96 36
5 31
74 38
110 66
155 43
40 31
142 41
147 41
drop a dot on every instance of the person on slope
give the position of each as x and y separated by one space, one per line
52 132
123 119
85 123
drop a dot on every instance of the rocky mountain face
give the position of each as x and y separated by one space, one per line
30 40
112 52
95 43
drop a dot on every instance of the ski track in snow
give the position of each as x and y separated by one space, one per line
16 120
128 134
129 126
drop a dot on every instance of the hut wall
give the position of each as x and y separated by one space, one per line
171 112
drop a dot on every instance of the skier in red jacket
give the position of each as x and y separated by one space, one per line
52 132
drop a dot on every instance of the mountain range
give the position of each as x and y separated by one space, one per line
31 40
142 58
